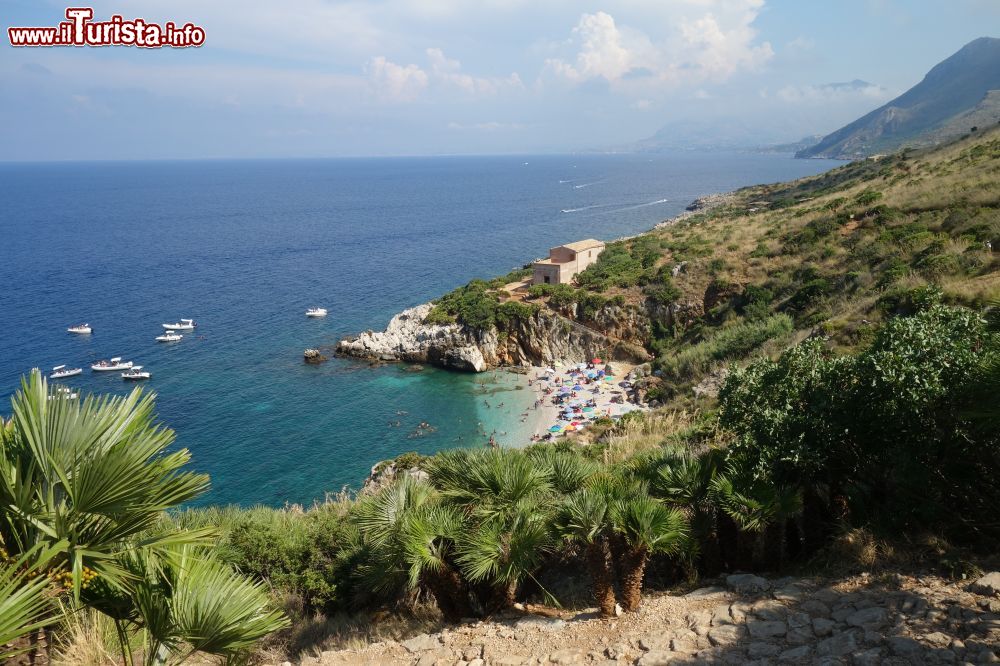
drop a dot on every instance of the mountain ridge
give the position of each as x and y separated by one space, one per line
926 114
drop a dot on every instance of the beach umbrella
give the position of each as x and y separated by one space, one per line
588 409
577 387
596 360
555 428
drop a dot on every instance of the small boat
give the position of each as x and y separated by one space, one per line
182 325
316 312
81 329
64 392
136 373
169 336
114 364
61 371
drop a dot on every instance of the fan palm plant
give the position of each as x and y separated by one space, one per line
83 486
505 499
644 526
506 548
87 477
685 481
569 470
408 540
755 506
182 600
489 484
585 518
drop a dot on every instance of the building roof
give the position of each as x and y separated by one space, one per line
580 246
544 261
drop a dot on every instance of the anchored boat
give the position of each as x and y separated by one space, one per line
114 364
316 312
169 336
81 329
182 325
136 373
61 371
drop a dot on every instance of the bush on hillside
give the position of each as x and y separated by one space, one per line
884 430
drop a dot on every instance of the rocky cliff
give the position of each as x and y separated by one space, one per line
617 333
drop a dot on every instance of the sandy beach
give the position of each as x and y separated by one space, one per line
556 396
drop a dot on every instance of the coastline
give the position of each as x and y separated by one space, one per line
516 408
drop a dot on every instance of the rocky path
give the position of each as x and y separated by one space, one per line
745 619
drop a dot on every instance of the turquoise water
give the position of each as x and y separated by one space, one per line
244 247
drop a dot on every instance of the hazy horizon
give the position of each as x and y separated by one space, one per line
420 78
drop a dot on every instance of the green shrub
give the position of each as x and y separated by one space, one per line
512 312
809 294
725 344
887 431
867 198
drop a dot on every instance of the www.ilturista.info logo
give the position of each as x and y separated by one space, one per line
80 30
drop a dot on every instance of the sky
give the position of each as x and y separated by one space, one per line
325 78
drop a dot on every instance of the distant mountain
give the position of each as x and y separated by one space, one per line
706 134
791 147
958 94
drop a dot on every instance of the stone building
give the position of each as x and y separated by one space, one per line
566 261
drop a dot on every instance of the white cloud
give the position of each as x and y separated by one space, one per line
448 71
833 92
699 40
718 51
396 83
606 51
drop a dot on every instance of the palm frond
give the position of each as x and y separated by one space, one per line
26 604
643 522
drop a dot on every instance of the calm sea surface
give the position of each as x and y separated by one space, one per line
244 247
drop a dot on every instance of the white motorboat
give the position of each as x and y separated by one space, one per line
169 336
64 392
61 371
182 325
82 329
136 373
114 364
316 312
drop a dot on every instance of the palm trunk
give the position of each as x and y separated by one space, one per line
633 570
599 559
450 593
510 594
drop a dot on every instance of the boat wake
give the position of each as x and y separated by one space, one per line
582 208
615 210
642 205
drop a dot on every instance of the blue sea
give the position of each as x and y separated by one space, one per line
245 247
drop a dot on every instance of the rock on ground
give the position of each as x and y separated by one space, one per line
850 620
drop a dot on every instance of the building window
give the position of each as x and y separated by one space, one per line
590 253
